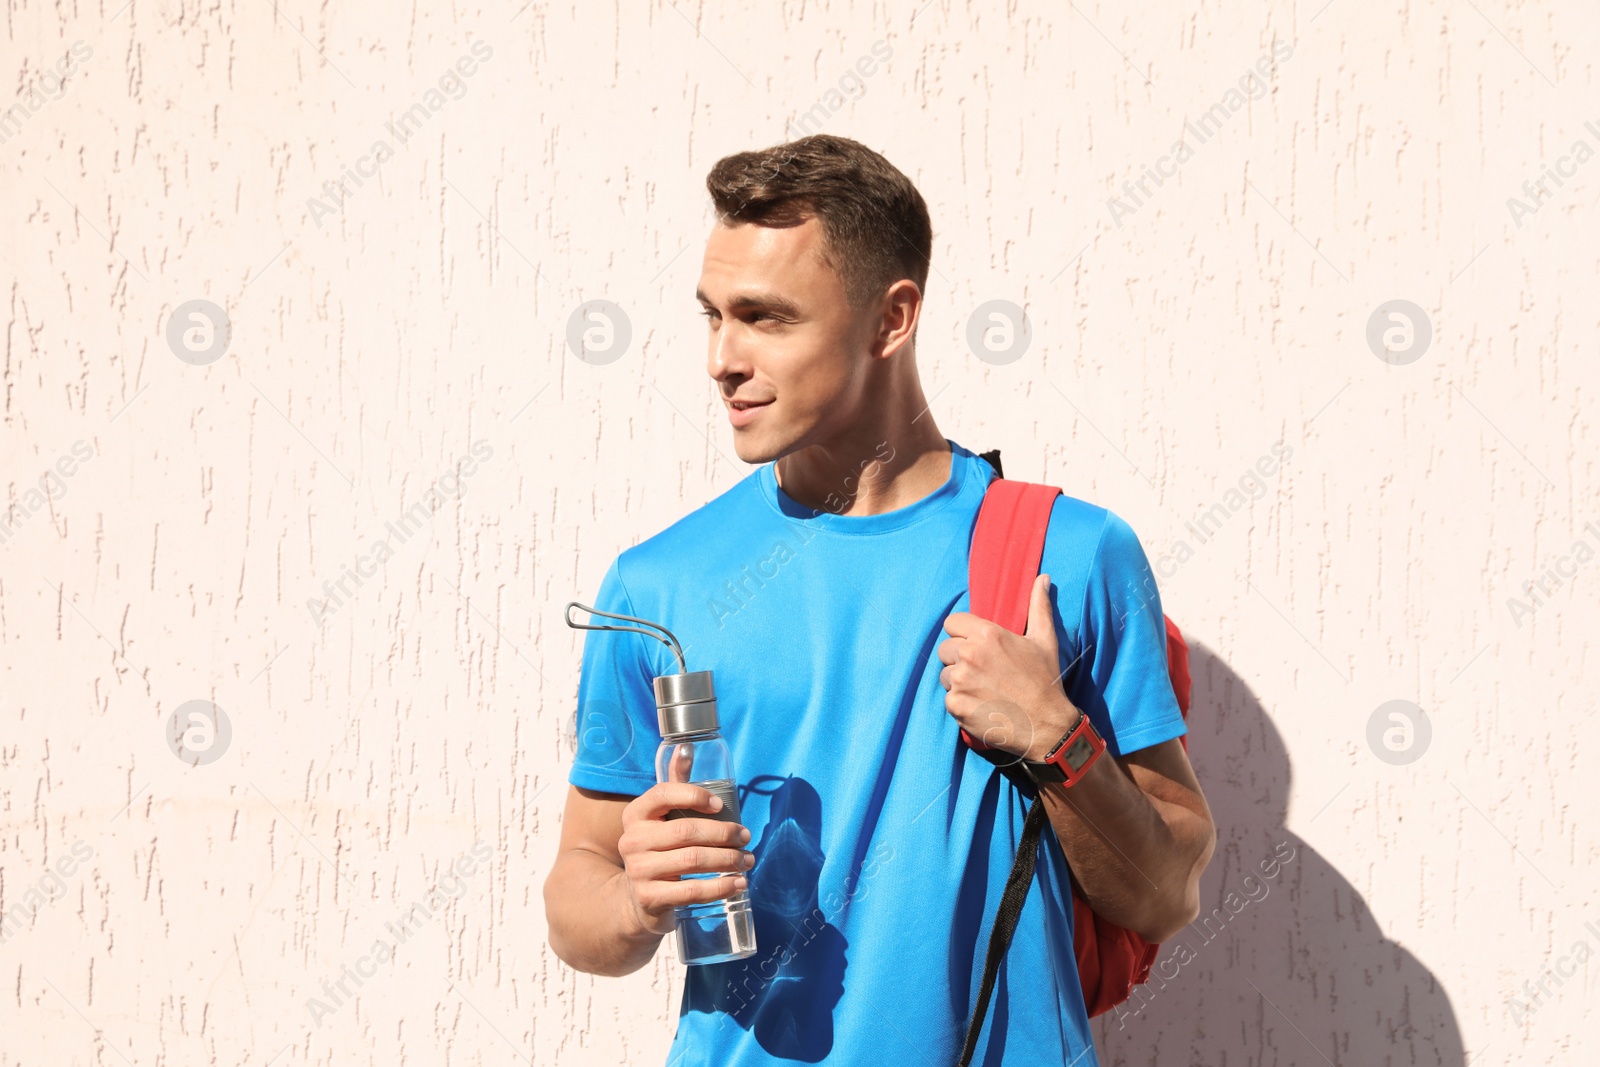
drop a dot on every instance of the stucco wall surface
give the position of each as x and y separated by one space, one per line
276 274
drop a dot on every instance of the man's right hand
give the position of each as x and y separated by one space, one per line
656 851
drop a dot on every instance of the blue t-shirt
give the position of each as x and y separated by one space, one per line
882 842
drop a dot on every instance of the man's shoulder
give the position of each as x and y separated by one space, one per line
1072 519
1078 532
1085 539
1077 527
704 535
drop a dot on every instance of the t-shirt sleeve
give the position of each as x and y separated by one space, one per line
615 720
1120 677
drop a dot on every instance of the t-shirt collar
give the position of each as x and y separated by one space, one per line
863 525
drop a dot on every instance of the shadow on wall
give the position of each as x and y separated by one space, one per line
1286 965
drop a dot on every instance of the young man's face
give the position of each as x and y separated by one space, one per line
782 336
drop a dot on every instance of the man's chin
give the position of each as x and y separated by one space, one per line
752 450
756 448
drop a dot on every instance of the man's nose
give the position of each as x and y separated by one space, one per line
724 358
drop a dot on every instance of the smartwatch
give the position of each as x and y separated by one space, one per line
1071 758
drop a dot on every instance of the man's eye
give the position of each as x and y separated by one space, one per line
754 316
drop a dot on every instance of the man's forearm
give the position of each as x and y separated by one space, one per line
593 925
1137 857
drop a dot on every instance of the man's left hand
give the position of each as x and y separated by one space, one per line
1005 688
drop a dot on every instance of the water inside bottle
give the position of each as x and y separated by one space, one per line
718 930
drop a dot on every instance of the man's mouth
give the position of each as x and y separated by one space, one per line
742 413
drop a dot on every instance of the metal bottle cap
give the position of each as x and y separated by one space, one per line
685 703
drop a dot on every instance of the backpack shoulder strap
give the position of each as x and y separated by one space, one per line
1007 544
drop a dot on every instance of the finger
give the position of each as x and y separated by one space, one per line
681 764
696 859
959 623
947 651
646 839
667 834
1041 619
701 890
663 797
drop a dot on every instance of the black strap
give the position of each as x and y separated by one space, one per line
1005 921
1017 882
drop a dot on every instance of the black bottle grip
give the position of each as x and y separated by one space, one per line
729 812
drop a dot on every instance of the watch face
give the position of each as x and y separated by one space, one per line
1078 753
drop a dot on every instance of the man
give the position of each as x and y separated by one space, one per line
827 591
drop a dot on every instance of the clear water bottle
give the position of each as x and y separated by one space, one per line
693 750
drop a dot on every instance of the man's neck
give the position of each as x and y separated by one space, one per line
871 473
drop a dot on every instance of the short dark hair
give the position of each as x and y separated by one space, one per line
873 219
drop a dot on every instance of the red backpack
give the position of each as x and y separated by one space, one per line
1007 544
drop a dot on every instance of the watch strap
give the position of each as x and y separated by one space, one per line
1071 758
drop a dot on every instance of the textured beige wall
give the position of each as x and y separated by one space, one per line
159 912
